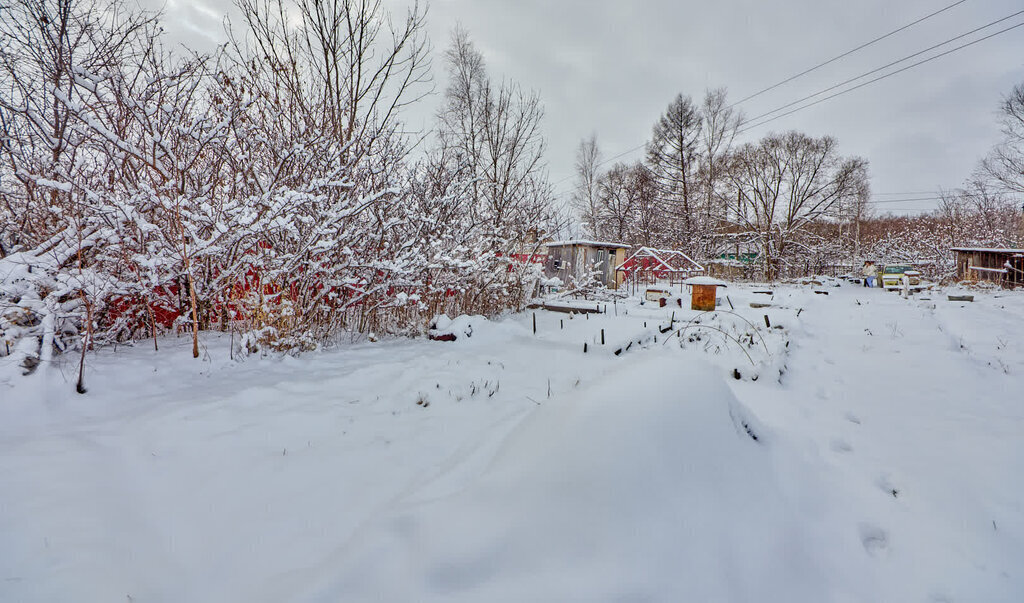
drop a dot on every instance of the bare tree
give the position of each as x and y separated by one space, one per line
989 204
952 208
320 85
52 210
585 193
649 220
43 46
629 209
720 123
855 210
1005 164
785 183
979 213
673 155
617 204
495 131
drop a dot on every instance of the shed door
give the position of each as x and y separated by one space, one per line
602 264
1016 270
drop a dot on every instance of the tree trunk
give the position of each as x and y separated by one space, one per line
195 316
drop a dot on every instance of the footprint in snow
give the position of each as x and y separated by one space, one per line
885 485
874 539
853 418
841 446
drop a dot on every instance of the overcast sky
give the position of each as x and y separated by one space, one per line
610 68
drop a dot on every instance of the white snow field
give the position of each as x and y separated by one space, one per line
865 447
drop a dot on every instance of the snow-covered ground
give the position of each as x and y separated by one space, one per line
864 447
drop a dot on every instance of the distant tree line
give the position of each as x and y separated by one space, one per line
988 211
790 199
700 191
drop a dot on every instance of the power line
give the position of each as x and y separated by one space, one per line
904 194
913 200
622 154
885 201
603 162
882 77
883 67
847 53
918 209
921 62
832 60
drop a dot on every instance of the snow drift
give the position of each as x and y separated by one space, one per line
647 485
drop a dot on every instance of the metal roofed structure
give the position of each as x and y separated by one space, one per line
648 266
998 265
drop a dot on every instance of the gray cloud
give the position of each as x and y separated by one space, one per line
611 67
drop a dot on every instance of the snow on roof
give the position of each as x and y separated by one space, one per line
587 243
988 249
980 269
705 280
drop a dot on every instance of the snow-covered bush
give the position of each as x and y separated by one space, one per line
264 188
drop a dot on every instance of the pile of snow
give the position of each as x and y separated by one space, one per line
447 329
818 281
647 485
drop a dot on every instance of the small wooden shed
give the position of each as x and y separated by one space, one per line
997 265
705 292
582 260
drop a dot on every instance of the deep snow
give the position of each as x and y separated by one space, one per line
508 466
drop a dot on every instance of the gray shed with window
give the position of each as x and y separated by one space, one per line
583 261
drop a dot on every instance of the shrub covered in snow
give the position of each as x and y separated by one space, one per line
144 192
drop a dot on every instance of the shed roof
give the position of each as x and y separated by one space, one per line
586 243
705 280
987 249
